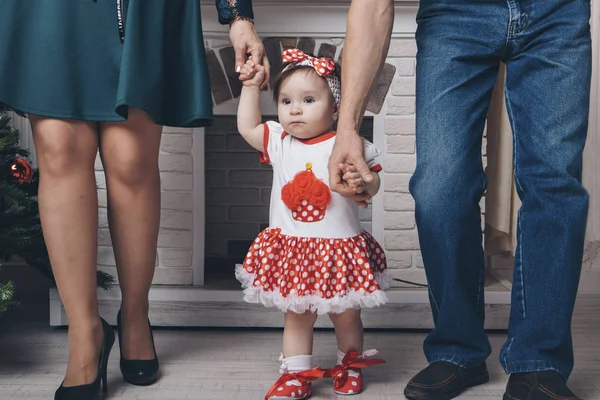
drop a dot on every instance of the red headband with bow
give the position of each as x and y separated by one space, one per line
324 66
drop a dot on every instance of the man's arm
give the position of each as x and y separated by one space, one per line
368 33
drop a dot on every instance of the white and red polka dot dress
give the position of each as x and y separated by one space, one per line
314 256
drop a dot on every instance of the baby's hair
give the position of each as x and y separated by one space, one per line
284 76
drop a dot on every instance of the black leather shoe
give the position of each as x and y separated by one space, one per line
138 372
541 385
443 381
91 390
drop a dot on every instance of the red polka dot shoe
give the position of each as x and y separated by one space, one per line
347 377
295 385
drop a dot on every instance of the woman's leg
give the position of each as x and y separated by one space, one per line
129 152
68 204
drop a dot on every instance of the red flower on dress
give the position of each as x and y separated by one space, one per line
306 196
319 195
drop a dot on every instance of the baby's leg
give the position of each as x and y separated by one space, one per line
298 333
298 341
348 331
347 374
296 372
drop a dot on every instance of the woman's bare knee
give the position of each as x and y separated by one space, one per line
64 146
129 150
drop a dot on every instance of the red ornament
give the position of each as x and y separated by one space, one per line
21 170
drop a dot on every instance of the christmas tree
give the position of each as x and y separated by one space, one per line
20 229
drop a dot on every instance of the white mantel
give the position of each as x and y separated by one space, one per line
309 18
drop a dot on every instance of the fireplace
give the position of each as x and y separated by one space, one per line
238 189
215 193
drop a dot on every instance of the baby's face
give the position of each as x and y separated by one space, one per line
305 106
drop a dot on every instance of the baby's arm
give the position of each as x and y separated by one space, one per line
354 179
372 188
249 117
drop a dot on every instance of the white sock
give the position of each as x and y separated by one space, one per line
296 364
340 356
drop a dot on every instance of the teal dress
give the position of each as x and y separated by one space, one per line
93 59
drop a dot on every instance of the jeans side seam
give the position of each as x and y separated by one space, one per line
481 287
519 270
509 343
433 298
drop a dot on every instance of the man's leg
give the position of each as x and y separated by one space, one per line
460 44
456 71
547 93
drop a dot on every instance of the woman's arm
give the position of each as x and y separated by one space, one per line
240 17
234 10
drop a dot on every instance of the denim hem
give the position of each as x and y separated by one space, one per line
535 366
454 359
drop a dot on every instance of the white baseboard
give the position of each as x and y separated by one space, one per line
501 268
199 307
590 281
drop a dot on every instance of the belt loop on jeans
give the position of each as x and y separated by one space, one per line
513 15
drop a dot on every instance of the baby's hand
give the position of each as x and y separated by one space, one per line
353 178
254 72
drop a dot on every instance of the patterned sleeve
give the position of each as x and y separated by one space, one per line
230 10
371 154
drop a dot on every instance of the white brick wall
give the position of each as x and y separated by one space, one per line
175 239
400 235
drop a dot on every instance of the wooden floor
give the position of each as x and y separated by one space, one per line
241 364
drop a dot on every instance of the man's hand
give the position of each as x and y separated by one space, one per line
348 150
245 41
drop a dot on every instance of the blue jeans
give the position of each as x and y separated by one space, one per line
546 46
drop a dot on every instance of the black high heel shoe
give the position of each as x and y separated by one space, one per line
91 390
138 372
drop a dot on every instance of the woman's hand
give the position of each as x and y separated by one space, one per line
245 41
